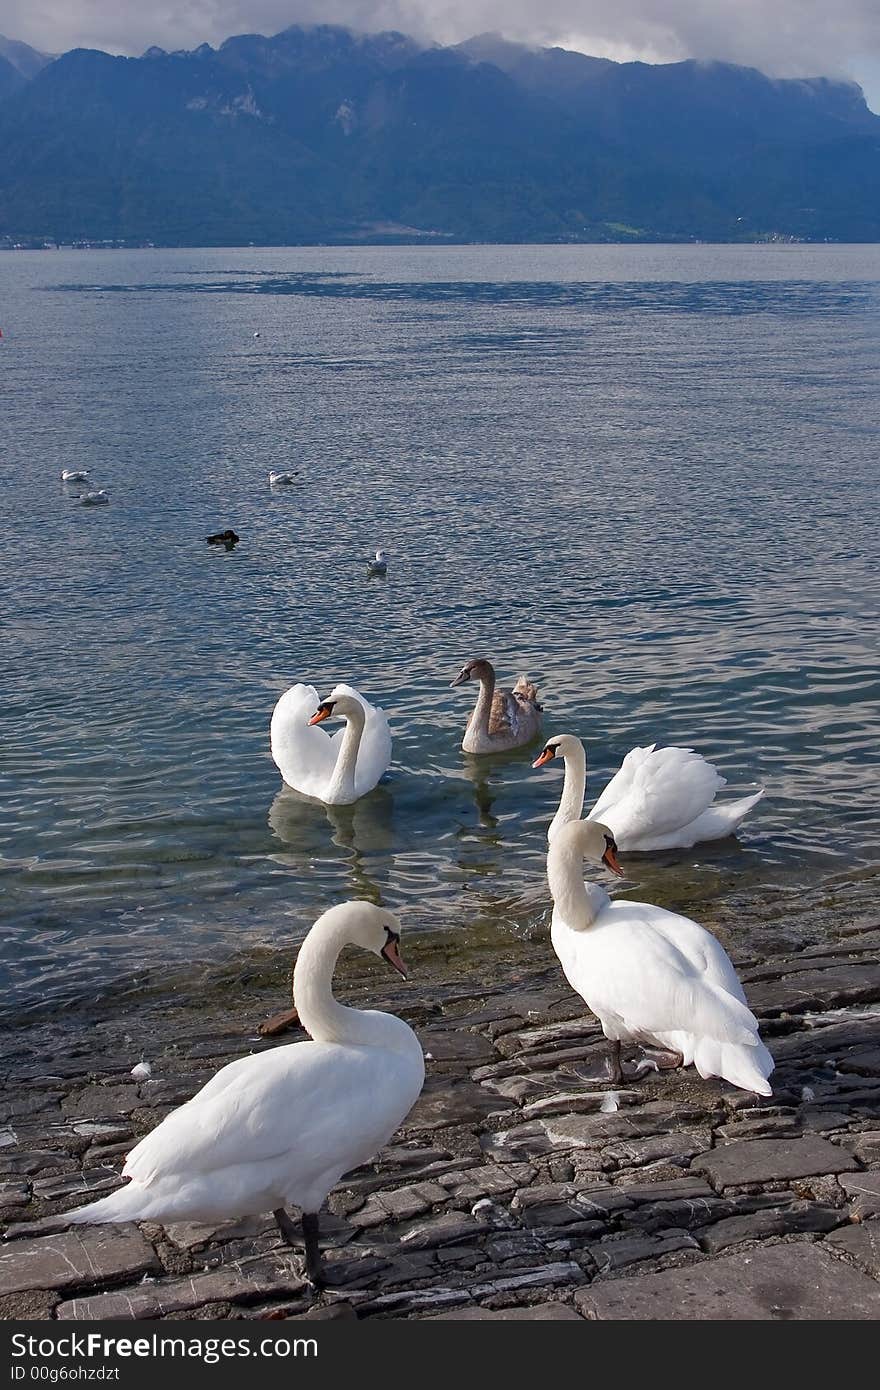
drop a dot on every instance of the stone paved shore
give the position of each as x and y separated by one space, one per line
515 1188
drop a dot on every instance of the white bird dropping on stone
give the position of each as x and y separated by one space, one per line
142 1071
807 1093
610 1102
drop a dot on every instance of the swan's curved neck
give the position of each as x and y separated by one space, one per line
571 803
319 1013
576 902
479 720
342 781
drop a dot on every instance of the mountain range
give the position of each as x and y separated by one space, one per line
324 135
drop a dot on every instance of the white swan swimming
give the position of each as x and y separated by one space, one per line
74 475
501 719
649 975
94 499
660 798
281 479
280 1127
335 770
378 565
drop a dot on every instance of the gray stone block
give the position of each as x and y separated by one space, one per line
769 1160
784 1282
91 1256
863 1243
863 1191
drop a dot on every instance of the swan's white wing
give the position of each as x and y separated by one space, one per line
316 1106
704 951
630 970
374 753
305 756
668 789
621 783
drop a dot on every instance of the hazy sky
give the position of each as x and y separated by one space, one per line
783 37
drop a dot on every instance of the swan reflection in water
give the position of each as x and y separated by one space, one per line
487 776
363 828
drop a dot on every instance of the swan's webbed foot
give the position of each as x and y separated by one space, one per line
654 1060
314 1272
659 1059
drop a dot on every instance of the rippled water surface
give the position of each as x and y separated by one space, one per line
647 476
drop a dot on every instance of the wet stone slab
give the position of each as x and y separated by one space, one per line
862 1242
235 1283
87 1256
779 1282
769 1160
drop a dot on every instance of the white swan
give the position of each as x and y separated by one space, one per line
279 479
660 798
280 1127
501 719
74 475
94 499
334 770
649 975
379 565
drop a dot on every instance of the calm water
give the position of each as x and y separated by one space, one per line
644 475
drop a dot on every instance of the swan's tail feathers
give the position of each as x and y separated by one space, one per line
735 811
721 819
747 1067
127 1203
527 690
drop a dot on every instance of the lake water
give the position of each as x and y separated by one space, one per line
646 476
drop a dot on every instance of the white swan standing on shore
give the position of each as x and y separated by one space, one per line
339 769
649 975
660 798
279 1128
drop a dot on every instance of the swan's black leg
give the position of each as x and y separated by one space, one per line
314 1271
291 1233
615 1068
287 1227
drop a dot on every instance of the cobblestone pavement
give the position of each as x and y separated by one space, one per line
515 1189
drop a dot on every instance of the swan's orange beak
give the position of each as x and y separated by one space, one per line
392 955
609 859
544 757
321 713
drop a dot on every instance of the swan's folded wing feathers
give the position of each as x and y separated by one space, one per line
700 947
620 784
503 715
669 788
281 1104
524 689
650 983
304 754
